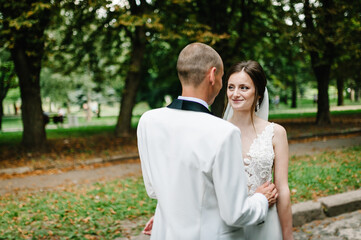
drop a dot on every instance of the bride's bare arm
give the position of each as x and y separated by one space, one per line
280 145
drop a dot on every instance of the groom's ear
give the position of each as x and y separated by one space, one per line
211 76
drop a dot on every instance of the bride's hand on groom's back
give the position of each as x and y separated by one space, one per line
269 190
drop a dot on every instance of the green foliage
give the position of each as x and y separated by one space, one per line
88 45
8 77
13 95
22 19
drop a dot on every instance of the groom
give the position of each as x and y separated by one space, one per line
192 161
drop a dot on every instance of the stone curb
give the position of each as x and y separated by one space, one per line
329 206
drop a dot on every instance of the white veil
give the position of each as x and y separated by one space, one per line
262 112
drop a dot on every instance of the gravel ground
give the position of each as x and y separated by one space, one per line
343 227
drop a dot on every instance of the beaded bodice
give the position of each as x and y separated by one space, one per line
259 159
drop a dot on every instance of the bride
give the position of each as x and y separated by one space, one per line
264 144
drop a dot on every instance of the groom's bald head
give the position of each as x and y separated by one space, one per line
194 61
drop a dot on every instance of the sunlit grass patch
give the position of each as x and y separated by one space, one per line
91 210
324 174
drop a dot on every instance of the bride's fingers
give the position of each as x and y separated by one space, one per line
274 192
272 198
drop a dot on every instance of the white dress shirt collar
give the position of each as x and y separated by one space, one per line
193 99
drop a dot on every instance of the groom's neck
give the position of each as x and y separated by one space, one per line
196 93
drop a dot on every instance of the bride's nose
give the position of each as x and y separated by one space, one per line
237 93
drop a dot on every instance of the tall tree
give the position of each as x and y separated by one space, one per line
22 32
138 40
348 47
153 24
320 19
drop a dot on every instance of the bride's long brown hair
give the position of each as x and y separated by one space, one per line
255 71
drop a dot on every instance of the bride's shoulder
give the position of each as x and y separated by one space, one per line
279 130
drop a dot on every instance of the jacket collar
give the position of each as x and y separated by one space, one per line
188 105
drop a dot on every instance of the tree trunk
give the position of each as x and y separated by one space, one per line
98 113
89 113
1 107
294 93
3 91
132 81
358 89
340 84
321 60
15 108
322 74
28 71
68 111
1 114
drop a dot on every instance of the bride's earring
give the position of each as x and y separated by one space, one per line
257 106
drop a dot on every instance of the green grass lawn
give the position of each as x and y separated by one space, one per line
325 174
97 211
102 125
308 103
293 115
76 213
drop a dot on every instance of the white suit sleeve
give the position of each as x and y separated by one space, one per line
230 182
143 155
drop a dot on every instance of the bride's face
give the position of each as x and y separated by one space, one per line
241 91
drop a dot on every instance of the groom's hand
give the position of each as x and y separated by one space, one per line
148 227
269 190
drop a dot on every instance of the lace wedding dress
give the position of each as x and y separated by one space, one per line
258 165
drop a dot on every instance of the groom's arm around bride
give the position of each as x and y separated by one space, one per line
192 161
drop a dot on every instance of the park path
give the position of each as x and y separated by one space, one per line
310 148
125 169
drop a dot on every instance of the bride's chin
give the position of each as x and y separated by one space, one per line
237 108
240 109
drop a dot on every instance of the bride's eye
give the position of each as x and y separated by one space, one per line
244 88
230 87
